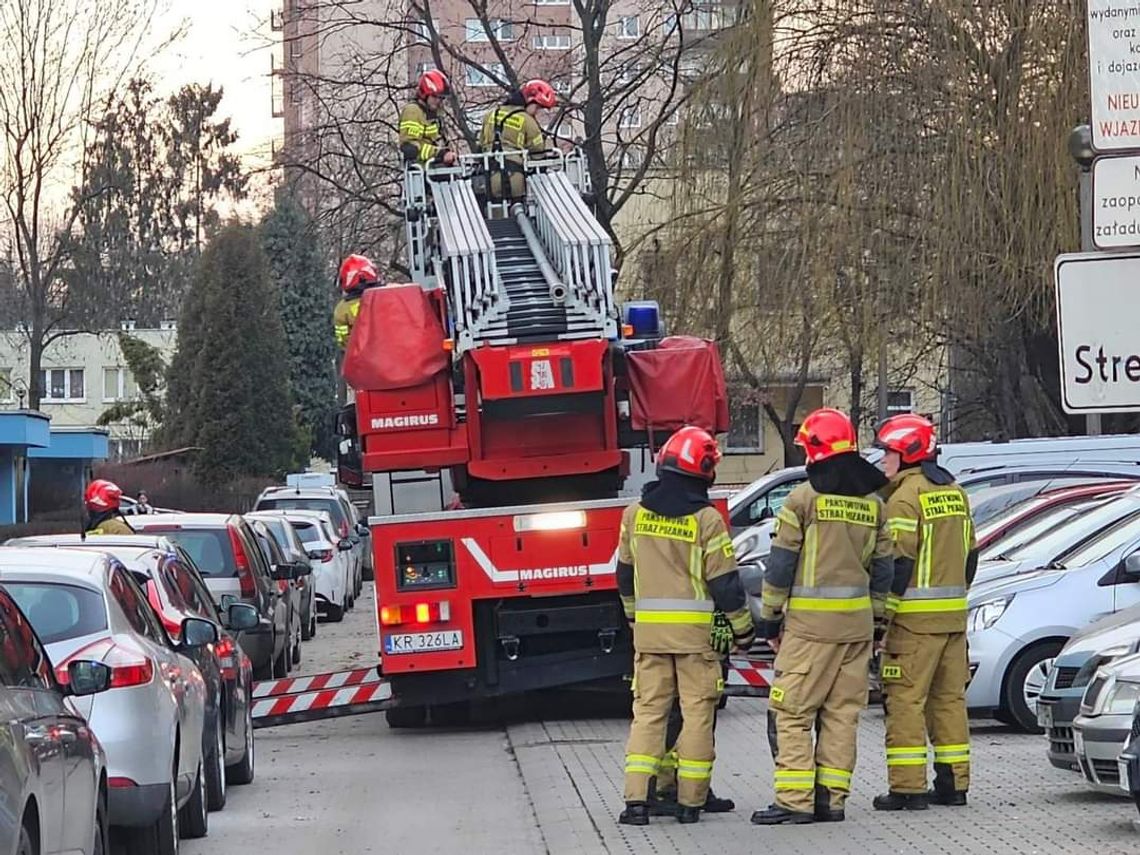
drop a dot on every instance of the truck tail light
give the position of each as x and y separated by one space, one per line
245 572
550 521
420 613
129 667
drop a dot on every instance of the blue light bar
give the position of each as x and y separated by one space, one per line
645 318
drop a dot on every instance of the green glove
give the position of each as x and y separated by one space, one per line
721 635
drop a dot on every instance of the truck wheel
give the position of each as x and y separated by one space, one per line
1023 684
401 717
451 715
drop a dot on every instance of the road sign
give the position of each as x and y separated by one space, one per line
1114 74
1098 315
1116 202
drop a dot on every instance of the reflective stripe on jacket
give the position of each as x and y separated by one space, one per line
518 130
344 316
930 524
421 134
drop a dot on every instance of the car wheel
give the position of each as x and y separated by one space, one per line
401 717
102 844
281 663
297 651
308 627
162 837
1023 684
194 818
216 768
313 628
243 771
334 614
27 843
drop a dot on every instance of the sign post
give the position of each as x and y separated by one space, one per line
1098 313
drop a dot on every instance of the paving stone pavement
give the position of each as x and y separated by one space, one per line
572 771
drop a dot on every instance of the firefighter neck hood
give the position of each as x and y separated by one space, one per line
674 495
94 520
934 473
846 475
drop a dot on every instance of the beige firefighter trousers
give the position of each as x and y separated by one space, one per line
824 685
658 678
924 679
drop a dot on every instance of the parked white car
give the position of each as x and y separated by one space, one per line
332 561
87 605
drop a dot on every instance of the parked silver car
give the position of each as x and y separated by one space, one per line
53 773
1104 725
331 561
87 605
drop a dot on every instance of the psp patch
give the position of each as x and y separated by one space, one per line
892 672
776 694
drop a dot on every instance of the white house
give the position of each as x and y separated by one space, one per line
82 375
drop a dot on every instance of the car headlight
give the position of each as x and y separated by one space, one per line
984 615
1121 699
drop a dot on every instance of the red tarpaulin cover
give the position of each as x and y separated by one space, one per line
680 383
396 342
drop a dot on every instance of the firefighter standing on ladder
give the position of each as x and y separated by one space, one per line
421 128
357 274
675 568
825 589
924 667
512 126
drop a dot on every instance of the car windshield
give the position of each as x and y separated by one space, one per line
1106 542
299 503
210 549
1073 532
1033 527
59 612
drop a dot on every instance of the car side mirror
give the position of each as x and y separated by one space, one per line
87 677
1132 567
242 616
198 633
300 571
281 572
364 530
344 545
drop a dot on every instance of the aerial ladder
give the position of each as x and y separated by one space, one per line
507 374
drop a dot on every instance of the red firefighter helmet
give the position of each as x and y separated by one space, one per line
909 434
356 270
690 451
432 82
826 433
539 92
102 496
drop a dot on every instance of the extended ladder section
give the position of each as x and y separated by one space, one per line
542 273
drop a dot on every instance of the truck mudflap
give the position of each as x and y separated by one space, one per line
364 690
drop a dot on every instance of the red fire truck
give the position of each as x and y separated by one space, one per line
507 371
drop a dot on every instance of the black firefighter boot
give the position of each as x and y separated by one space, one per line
688 815
823 810
774 814
944 793
901 801
715 804
635 813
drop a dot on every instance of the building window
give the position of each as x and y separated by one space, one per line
295 49
296 93
477 77
421 32
559 41
475 116
62 384
119 385
628 74
7 390
629 27
562 87
423 68
632 158
630 117
504 31
124 449
745 421
899 401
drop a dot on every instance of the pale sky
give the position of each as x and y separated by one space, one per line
227 43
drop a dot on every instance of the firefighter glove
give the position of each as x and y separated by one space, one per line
721 634
770 628
880 630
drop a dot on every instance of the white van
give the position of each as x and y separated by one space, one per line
959 457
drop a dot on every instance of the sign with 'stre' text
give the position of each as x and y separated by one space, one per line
1098 315
1116 201
1114 73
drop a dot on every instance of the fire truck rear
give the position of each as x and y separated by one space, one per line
507 376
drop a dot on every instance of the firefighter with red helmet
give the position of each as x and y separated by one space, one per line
824 595
924 666
422 139
513 126
357 273
102 500
676 568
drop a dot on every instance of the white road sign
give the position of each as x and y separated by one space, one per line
1114 73
1116 202
1098 325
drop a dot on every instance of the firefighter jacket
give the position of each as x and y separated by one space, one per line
934 541
421 133
344 316
111 523
517 130
830 569
673 574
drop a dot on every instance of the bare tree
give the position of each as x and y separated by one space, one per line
60 61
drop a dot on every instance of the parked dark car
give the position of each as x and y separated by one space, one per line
53 774
295 553
226 553
289 588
